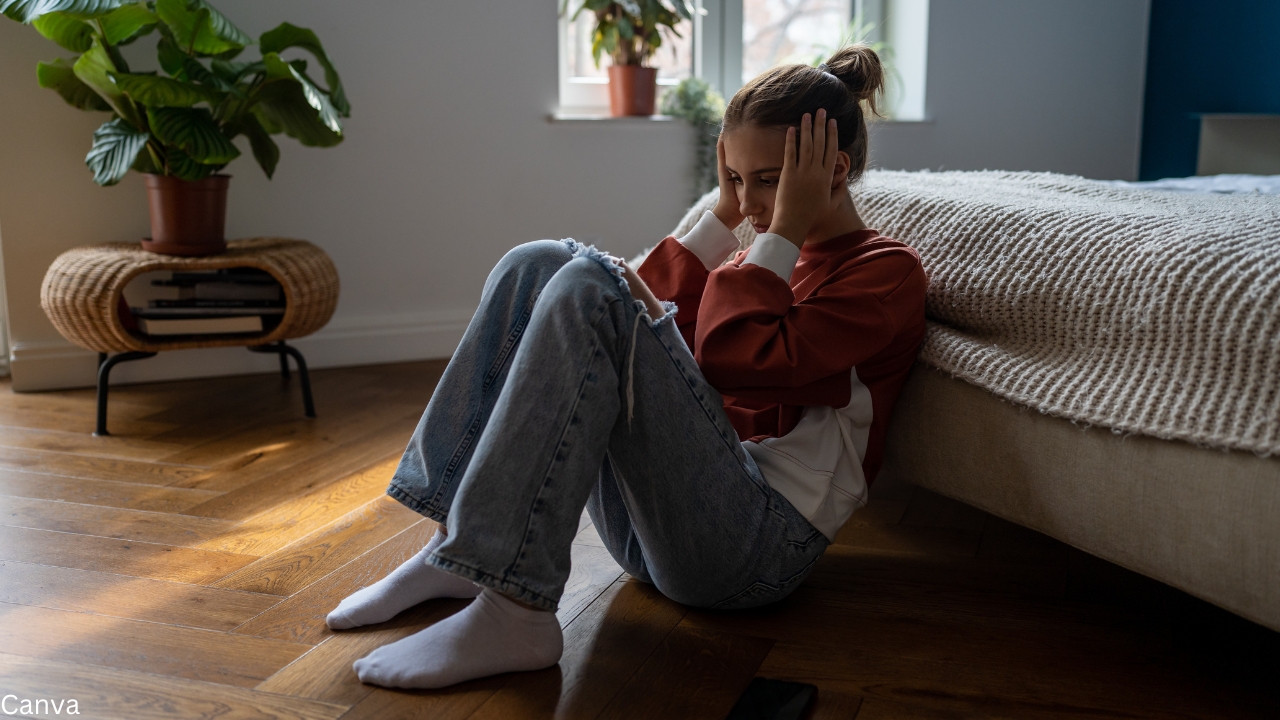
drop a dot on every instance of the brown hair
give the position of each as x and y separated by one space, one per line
779 97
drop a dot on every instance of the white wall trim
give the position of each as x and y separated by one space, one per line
40 366
345 341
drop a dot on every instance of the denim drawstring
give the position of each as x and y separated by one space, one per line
631 371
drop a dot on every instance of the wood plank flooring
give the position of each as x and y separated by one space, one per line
182 568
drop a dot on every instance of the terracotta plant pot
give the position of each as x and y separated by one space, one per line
632 90
188 217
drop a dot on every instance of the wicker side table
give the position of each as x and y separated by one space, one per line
83 288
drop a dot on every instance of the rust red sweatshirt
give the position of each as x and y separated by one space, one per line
809 348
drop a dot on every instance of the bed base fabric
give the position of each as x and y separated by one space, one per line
1202 520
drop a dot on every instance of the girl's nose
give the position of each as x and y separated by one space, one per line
749 202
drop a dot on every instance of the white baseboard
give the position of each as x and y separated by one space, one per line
343 342
50 366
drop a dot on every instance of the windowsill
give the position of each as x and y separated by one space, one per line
590 115
577 116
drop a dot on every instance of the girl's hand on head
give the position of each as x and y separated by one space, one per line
727 209
808 172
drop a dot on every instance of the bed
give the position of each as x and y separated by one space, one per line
1102 365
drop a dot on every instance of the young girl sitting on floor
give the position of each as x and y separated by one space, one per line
718 448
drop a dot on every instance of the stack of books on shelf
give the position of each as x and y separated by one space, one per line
232 300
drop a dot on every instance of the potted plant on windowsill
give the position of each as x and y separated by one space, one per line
630 31
177 126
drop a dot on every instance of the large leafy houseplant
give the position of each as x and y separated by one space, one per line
630 32
181 123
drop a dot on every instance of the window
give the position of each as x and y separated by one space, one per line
585 87
732 41
778 31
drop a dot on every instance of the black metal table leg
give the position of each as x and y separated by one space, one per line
284 364
283 350
104 376
303 376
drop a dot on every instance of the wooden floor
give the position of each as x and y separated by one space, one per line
183 567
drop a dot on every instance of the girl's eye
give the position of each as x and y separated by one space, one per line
736 180
768 182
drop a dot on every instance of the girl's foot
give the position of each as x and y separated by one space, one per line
490 636
413 582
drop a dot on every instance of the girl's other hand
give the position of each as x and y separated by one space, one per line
727 208
640 290
808 171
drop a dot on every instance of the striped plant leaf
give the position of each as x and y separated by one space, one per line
180 165
157 91
126 23
115 148
278 69
60 77
290 36
282 107
196 24
70 32
27 11
94 69
194 131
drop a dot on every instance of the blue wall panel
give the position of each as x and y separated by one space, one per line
1205 56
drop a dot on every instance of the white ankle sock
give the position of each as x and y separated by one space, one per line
490 636
413 582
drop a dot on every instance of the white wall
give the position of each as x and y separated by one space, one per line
1052 85
450 160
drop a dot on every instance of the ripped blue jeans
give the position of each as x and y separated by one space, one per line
564 393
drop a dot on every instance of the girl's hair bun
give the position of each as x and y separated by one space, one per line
780 96
859 68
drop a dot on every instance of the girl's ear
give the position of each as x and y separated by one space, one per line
842 169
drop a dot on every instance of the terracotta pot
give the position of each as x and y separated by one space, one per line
632 90
188 217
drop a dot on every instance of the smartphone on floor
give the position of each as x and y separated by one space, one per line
769 699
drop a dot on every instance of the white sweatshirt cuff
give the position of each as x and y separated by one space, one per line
774 252
710 240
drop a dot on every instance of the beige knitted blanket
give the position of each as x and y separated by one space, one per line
1141 311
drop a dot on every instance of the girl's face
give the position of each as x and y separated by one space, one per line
753 156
